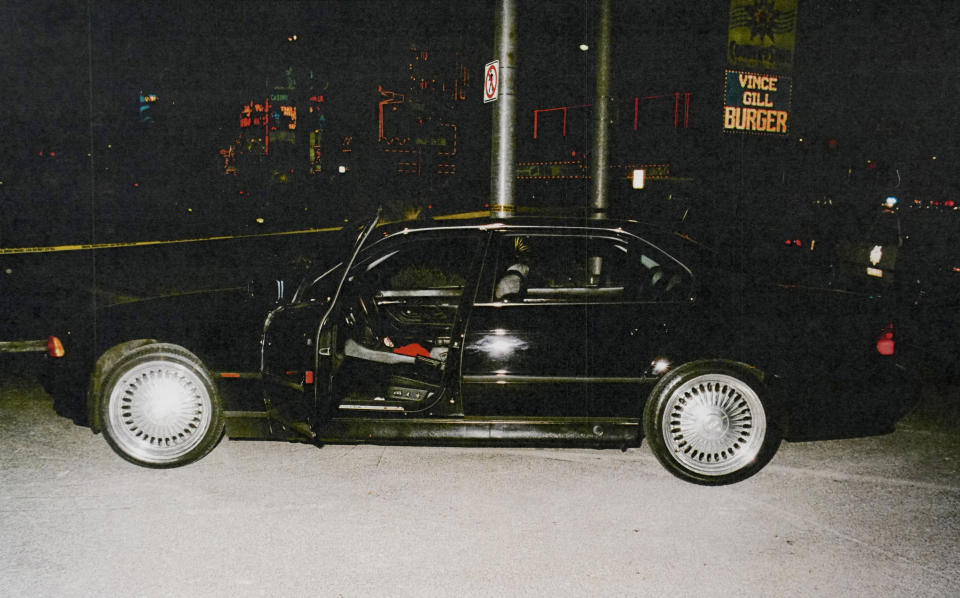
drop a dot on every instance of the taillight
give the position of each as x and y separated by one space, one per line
54 347
885 344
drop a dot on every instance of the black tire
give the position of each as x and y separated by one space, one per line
706 423
159 407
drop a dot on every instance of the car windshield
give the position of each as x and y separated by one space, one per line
351 238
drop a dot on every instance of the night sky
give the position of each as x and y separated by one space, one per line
72 71
900 59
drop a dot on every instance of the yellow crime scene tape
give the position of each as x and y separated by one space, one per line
94 246
89 246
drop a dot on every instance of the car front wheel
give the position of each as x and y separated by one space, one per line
707 424
159 407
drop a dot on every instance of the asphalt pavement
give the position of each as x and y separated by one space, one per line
859 517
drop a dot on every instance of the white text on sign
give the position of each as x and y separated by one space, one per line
752 119
756 103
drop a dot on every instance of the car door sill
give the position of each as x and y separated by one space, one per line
485 430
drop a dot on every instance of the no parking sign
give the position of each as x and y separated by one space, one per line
491 81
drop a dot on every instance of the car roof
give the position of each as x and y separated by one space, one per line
643 230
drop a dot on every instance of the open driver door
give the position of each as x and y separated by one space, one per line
298 360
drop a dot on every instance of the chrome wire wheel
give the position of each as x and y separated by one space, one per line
714 425
159 412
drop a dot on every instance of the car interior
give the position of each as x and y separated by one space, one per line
396 327
570 268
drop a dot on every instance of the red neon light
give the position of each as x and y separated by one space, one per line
266 128
453 151
392 97
686 110
677 112
676 108
537 112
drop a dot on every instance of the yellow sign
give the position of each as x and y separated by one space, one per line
762 34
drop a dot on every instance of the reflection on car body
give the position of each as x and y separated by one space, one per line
611 332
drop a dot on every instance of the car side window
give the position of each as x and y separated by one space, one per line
439 267
583 268
424 265
402 298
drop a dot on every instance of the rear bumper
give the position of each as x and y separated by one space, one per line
38 346
844 404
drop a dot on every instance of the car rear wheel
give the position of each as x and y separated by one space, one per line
707 424
159 407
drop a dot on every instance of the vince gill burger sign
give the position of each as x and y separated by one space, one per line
760 47
756 103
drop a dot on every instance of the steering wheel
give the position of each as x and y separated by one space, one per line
370 326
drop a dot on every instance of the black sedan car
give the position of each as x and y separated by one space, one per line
561 332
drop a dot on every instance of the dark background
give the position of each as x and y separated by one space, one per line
874 88
876 78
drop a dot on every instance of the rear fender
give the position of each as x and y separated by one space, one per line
769 387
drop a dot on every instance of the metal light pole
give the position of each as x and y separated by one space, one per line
600 159
599 167
503 142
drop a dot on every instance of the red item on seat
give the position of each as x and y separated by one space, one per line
413 349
